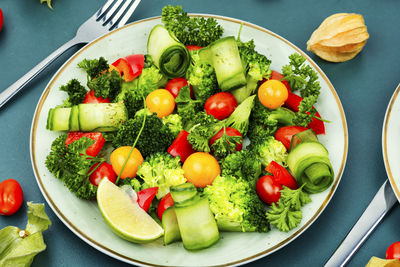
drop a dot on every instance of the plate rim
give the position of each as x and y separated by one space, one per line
385 128
130 260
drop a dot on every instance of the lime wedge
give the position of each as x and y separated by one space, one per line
124 216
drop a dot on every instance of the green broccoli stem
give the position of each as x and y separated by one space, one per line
133 146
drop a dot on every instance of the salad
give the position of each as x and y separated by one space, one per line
208 136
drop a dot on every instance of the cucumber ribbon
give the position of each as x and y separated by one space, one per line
309 162
168 54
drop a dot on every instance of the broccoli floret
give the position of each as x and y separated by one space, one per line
93 67
264 121
76 92
174 123
133 93
239 119
256 67
71 165
190 31
187 108
243 164
156 137
268 149
206 126
201 76
106 85
236 206
161 170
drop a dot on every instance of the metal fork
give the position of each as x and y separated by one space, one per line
112 15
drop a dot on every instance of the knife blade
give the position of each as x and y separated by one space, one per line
382 202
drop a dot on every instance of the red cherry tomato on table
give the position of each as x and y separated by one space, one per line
90 98
268 189
145 197
11 197
104 170
221 105
393 251
175 85
1 19
285 134
165 203
281 175
229 131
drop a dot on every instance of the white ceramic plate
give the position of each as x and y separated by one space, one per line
390 141
84 218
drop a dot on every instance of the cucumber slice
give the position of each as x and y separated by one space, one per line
74 119
103 117
197 224
183 192
309 162
168 54
227 64
170 226
307 135
58 119
50 116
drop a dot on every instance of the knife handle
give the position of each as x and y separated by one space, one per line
376 210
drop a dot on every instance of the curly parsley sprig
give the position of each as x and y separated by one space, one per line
287 214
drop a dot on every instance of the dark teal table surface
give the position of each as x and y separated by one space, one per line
365 84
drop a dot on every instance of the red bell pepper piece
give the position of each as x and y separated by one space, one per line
94 149
293 103
181 146
90 98
145 197
130 66
281 175
164 204
193 47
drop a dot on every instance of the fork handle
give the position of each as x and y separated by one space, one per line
8 93
373 214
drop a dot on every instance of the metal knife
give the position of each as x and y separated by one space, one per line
383 201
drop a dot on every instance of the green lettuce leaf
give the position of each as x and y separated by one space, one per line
19 247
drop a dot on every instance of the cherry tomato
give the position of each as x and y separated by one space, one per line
104 170
161 102
165 203
285 134
90 98
193 47
229 131
118 157
1 19
268 189
94 149
145 197
200 169
11 197
221 105
281 175
272 94
393 251
175 85
278 76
